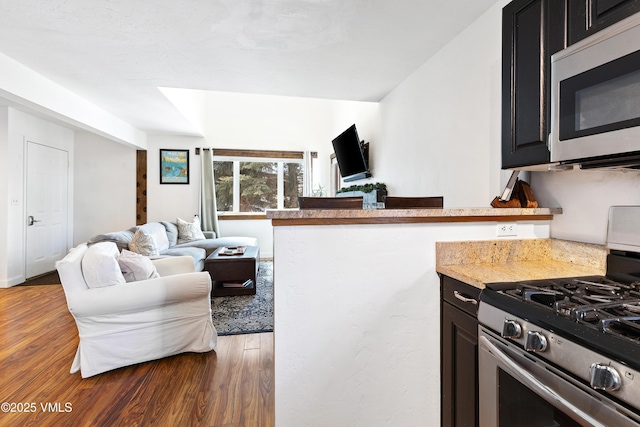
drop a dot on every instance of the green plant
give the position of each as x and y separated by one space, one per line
366 188
319 191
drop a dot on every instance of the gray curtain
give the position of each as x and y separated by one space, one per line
208 208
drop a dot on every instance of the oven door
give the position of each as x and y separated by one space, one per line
518 389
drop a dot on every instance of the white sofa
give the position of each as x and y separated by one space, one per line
135 322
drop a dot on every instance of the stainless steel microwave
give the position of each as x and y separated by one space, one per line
595 99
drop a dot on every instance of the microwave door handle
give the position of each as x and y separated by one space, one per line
532 382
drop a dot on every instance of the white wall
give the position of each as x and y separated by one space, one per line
102 193
357 336
166 202
288 123
20 127
46 98
585 197
4 194
104 186
256 122
441 126
441 134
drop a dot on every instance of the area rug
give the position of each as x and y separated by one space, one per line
246 314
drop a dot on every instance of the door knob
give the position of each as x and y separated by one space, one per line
32 220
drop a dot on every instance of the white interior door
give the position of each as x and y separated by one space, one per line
46 207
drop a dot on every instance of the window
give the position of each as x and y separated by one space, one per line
253 181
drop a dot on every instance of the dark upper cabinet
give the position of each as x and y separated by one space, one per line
590 16
532 30
459 353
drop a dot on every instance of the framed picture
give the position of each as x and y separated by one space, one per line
174 166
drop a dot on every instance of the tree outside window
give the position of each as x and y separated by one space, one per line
223 175
254 185
258 186
293 184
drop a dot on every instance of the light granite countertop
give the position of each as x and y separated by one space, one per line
481 262
389 216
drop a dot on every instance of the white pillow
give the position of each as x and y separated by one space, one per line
189 231
100 266
136 267
150 239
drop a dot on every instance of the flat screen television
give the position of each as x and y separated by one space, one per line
351 156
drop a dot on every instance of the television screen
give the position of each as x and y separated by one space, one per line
349 155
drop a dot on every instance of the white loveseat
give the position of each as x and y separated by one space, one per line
139 321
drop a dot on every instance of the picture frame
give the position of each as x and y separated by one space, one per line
174 166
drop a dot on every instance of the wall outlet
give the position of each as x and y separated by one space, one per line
507 229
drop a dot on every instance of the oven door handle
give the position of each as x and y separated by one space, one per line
533 383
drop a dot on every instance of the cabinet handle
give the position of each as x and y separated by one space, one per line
462 298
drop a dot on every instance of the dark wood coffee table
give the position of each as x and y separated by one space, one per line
226 269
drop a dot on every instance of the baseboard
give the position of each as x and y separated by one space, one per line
12 282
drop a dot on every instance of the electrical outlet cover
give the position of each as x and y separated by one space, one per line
507 229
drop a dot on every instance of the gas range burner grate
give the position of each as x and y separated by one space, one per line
626 327
610 306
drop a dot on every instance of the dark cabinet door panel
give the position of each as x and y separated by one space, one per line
460 368
459 353
532 30
587 17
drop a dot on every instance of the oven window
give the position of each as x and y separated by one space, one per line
519 406
603 99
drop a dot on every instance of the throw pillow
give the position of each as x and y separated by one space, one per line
149 239
189 231
120 238
100 266
136 267
172 232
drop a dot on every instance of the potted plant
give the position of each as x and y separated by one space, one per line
373 195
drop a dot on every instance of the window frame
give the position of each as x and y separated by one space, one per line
257 156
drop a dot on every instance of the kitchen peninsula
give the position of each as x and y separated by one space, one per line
357 317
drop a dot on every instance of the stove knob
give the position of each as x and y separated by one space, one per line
604 377
511 329
535 341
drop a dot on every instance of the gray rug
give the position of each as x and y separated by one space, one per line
246 314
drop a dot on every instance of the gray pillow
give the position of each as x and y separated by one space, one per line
120 238
172 232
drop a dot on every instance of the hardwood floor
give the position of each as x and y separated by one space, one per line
230 387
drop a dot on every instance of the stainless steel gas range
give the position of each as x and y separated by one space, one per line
566 351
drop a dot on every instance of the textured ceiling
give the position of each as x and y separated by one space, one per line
116 53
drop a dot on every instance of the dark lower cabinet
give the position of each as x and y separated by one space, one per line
459 353
587 17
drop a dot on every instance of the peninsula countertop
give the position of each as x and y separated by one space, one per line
481 262
407 216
